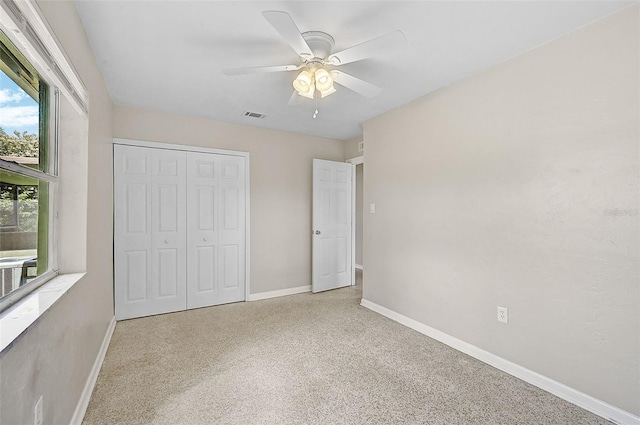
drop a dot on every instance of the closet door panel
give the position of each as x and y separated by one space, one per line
205 269
202 232
168 218
132 230
135 276
149 234
231 266
231 255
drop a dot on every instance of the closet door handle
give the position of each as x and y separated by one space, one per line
204 239
166 241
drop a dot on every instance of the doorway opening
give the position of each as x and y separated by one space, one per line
358 216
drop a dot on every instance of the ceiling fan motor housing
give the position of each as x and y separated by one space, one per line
320 43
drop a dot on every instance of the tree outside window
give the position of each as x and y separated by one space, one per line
19 202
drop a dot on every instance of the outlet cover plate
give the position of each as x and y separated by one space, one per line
503 314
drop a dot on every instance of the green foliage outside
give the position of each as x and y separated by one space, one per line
19 145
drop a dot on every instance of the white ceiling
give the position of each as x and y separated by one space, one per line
169 55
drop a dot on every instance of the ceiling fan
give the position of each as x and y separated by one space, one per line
317 61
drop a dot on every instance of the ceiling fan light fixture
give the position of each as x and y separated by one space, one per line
314 49
323 80
325 93
308 95
304 84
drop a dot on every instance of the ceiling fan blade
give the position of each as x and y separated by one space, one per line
283 23
383 44
295 99
260 69
356 84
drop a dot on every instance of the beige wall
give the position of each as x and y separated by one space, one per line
281 175
497 190
351 148
54 357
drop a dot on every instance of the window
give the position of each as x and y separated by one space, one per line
38 84
27 173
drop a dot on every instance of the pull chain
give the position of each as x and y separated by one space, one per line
315 98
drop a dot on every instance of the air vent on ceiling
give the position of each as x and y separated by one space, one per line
254 115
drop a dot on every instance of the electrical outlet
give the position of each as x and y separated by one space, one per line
503 314
37 412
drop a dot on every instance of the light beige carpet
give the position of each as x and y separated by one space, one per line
304 359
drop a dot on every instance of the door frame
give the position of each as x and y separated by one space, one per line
247 218
354 162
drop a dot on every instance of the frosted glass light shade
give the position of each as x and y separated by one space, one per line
323 80
327 92
304 83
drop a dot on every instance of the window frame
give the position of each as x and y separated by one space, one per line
24 26
52 123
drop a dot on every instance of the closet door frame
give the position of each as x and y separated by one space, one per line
186 148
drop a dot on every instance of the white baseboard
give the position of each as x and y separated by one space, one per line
359 266
279 293
565 392
83 403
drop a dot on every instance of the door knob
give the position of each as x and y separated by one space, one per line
204 239
317 232
166 241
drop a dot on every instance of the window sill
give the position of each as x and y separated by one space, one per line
15 321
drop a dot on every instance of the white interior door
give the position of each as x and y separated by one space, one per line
215 229
332 265
150 203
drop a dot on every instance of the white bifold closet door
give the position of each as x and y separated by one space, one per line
179 230
215 229
150 230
